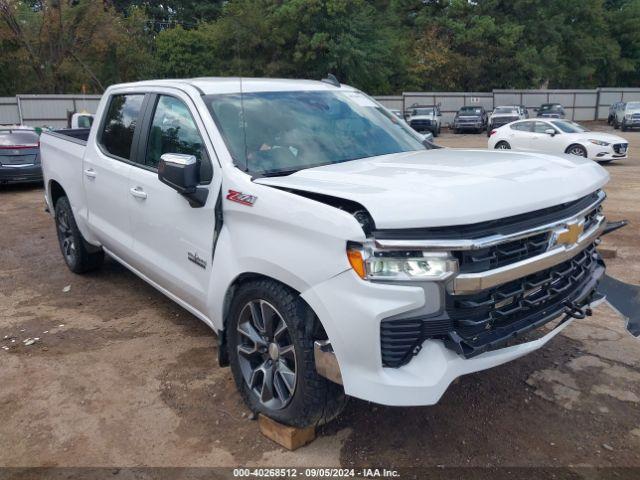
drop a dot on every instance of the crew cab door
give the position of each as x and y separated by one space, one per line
105 173
173 242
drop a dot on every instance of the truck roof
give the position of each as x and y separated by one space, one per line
213 85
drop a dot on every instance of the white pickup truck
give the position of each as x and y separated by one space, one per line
332 251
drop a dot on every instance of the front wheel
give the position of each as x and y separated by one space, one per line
502 145
623 127
271 352
79 256
578 150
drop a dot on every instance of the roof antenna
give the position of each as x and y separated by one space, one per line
244 130
331 80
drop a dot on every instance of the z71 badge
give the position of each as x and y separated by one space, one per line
241 198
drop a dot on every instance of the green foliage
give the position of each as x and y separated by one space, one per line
380 46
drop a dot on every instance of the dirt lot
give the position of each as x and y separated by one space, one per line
121 376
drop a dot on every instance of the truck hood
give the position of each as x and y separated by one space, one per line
450 187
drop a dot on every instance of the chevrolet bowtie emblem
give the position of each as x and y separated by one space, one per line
571 234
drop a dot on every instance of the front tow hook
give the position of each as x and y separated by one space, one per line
573 310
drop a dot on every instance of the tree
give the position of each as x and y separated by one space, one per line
73 43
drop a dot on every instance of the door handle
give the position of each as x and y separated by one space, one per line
138 193
90 173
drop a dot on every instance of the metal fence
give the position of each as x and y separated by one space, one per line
579 104
44 110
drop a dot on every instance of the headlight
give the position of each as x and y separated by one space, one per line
414 265
599 142
627 116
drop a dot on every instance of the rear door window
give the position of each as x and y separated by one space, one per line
121 119
522 126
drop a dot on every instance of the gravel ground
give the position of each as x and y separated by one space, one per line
121 376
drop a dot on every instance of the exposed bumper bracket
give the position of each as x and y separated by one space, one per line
326 361
613 226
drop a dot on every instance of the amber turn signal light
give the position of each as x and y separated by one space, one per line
356 261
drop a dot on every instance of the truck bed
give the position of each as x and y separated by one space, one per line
62 154
76 135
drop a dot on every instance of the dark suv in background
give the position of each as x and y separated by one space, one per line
470 118
19 155
551 110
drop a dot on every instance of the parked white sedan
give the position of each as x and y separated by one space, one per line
558 136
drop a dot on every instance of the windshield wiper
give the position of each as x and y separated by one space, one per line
278 173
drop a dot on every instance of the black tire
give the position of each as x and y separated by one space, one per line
502 145
605 162
576 149
435 132
456 131
313 400
488 131
616 125
79 256
623 127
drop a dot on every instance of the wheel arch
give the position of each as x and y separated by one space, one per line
240 280
575 144
56 191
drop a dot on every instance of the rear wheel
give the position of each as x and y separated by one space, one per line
271 352
79 256
502 145
578 150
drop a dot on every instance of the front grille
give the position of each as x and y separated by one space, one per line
473 261
498 122
473 324
482 318
618 147
420 124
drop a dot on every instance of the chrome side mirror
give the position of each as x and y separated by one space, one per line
182 173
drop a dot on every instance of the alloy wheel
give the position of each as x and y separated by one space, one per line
577 150
65 236
266 354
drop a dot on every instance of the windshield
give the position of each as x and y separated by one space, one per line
506 110
421 111
549 106
633 106
18 138
289 131
569 127
470 111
